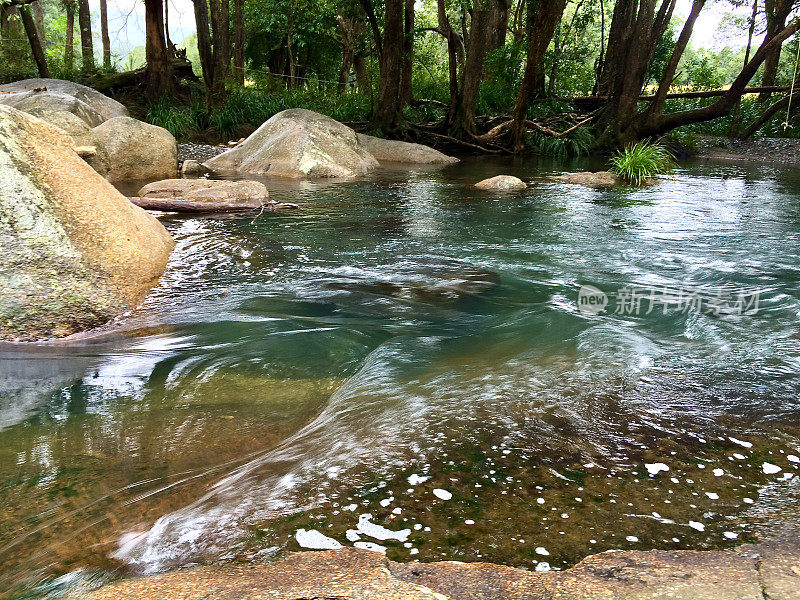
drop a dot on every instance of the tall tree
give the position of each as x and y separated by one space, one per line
406 89
390 100
238 41
70 8
32 32
87 46
159 61
777 12
104 34
543 18
213 44
482 30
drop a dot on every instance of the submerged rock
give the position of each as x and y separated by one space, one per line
298 143
75 251
251 193
597 180
192 168
392 151
502 183
99 104
137 150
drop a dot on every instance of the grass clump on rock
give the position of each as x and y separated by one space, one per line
637 163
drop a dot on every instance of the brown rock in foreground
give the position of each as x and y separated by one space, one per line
747 573
76 253
250 193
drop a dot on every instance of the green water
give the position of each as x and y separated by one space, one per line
293 371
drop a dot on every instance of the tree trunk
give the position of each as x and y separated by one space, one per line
452 56
781 104
544 16
777 13
159 65
104 34
406 86
87 47
360 68
69 49
390 105
238 41
484 18
221 30
636 28
32 32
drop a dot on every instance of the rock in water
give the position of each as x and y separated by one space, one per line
501 183
391 151
597 180
298 143
137 150
75 252
102 106
251 193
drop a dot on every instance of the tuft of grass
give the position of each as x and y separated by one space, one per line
638 162
178 120
577 143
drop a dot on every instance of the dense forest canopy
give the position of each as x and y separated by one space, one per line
490 75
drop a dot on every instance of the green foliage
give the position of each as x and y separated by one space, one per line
577 143
178 120
639 162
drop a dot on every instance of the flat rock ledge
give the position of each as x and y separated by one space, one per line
750 572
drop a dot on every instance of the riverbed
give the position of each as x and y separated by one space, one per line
414 366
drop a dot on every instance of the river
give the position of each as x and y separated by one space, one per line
415 366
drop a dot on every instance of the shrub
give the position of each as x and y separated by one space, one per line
638 162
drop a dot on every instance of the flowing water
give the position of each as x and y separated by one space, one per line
404 365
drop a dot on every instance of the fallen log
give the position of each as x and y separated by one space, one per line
191 206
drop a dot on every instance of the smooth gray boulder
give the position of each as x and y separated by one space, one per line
392 151
75 252
502 183
298 143
43 103
137 150
100 104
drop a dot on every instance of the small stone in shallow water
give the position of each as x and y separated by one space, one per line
370 546
442 494
656 468
314 540
741 442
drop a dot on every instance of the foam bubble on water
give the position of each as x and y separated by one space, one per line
730 535
386 501
655 468
371 546
314 540
793 458
738 456
741 443
542 551
379 532
696 525
718 472
417 479
352 535
632 539
469 522
771 469
543 566
712 495
442 494
540 500
748 501
417 526
414 551
350 507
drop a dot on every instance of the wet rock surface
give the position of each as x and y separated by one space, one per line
597 180
747 573
204 190
501 183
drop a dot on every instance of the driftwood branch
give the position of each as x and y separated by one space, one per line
499 129
191 206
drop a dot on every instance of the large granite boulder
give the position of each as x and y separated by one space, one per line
392 151
56 90
75 252
298 143
137 150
